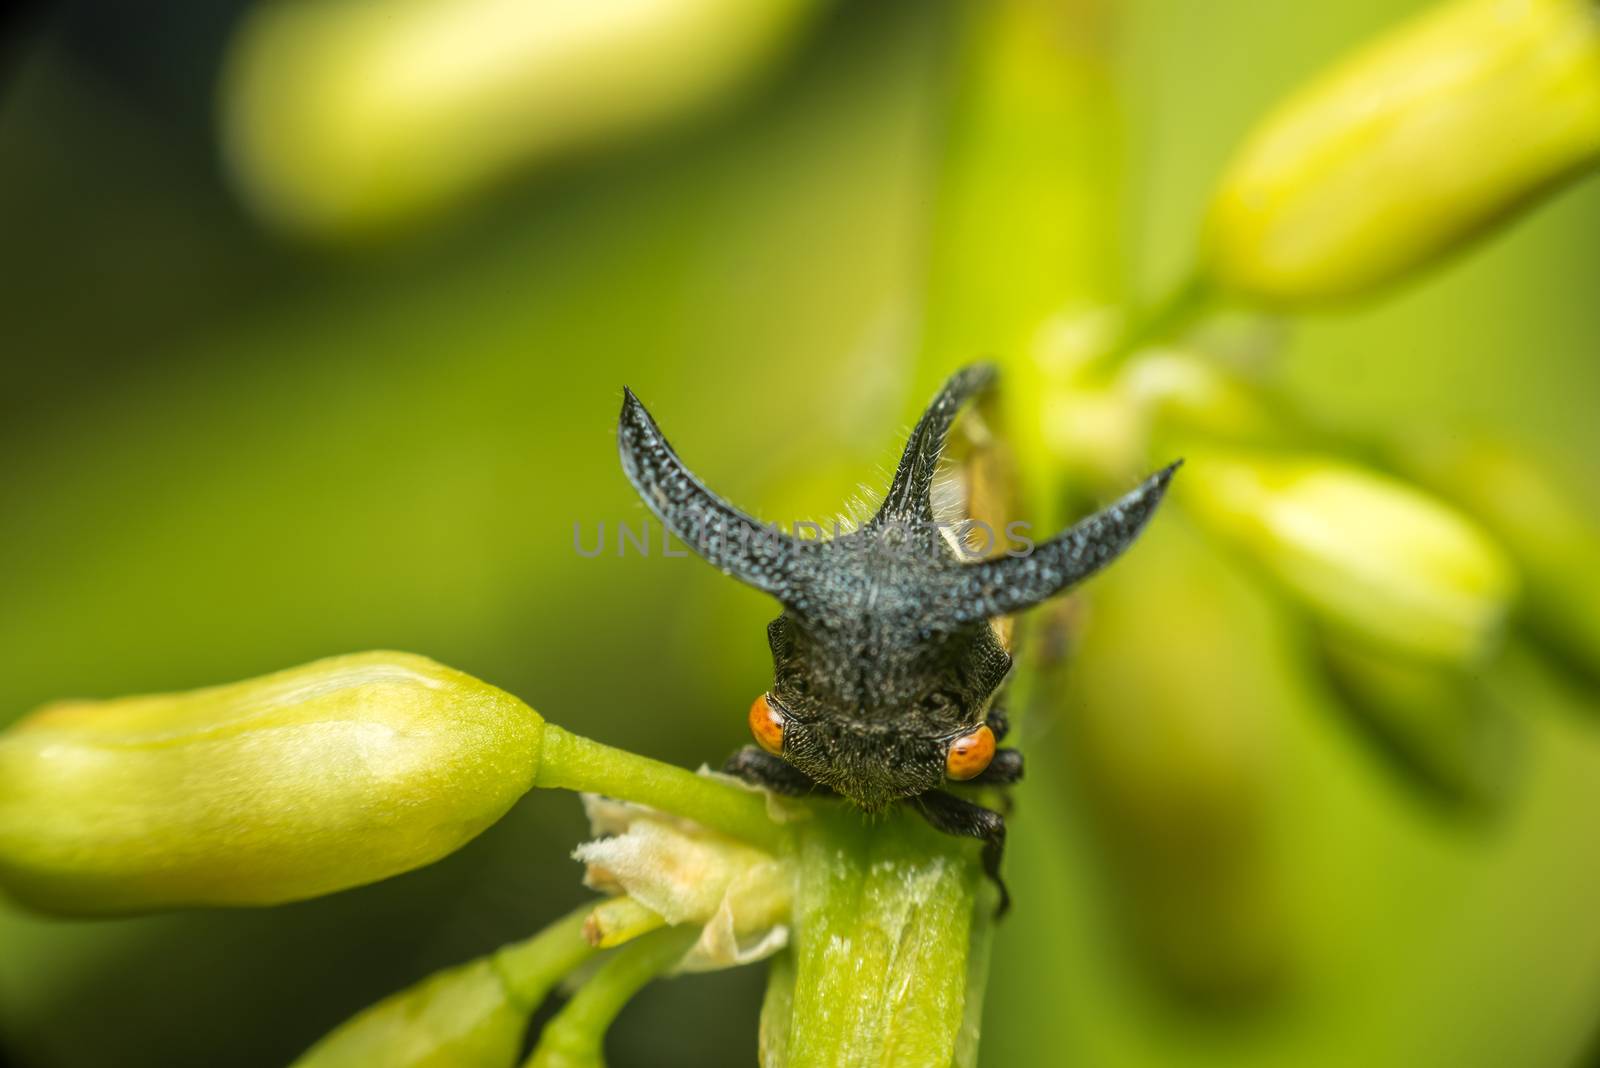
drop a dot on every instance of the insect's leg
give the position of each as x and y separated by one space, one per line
952 815
760 768
1003 770
998 722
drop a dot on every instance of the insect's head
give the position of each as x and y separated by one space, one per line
885 657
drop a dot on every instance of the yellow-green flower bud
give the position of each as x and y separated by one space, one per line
1373 556
1181 779
459 1018
1438 720
1556 545
341 117
470 1016
1409 148
1180 394
310 780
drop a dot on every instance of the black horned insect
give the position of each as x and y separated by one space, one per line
886 656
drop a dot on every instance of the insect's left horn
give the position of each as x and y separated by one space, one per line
1009 584
739 544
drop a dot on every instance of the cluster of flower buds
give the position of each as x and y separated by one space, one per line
1402 570
1385 579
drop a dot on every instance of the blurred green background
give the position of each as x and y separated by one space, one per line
226 451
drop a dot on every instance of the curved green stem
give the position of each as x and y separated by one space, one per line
530 968
572 762
1160 320
473 1013
574 1036
777 1012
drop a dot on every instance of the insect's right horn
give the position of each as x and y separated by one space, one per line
1007 584
910 494
739 544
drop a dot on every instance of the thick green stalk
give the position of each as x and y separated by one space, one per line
882 920
983 922
892 921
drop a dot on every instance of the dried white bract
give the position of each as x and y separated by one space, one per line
685 873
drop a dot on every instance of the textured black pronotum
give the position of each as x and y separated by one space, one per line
885 656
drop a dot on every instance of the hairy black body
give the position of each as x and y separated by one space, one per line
886 658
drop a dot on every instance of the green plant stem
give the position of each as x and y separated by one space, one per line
983 923
473 1013
572 762
574 1036
888 965
777 1011
883 920
1160 320
1024 224
530 968
617 920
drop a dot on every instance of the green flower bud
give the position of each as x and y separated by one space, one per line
1180 394
343 117
1181 780
1370 555
470 1016
459 1018
1440 723
300 783
1555 544
1409 148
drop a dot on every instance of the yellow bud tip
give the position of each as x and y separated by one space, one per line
1380 167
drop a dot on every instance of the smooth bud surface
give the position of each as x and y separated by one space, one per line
1370 555
1409 148
295 784
1546 527
460 1018
1440 722
1180 780
471 1016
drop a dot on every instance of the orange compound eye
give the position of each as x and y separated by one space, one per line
969 754
766 723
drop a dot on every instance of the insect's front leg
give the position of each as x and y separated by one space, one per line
1006 767
952 815
998 721
1004 770
760 768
